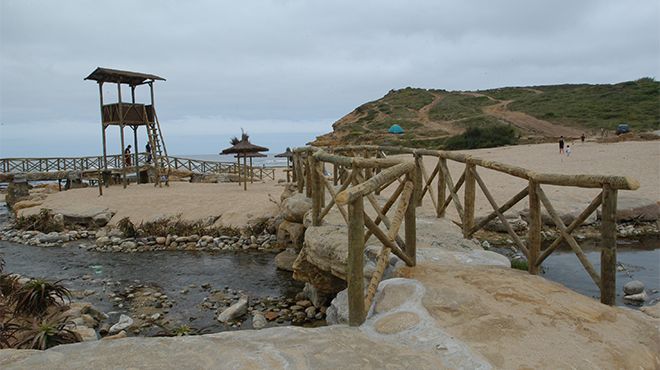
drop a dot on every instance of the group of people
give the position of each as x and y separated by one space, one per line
127 154
567 150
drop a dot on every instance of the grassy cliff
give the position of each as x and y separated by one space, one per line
430 117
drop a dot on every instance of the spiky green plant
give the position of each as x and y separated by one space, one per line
180 331
47 332
8 285
8 331
37 295
127 228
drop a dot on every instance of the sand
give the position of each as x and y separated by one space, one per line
229 203
235 207
640 160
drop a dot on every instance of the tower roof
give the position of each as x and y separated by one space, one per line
118 76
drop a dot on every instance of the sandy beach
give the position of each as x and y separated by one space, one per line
639 160
230 205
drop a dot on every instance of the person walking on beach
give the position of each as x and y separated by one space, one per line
127 156
561 145
582 137
147 148
568 150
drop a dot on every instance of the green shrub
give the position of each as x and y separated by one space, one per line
127 228
36 296
48 332
519 264
483 137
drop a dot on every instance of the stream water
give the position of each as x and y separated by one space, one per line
169 272
636 260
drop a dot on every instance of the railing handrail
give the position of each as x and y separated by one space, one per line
582 180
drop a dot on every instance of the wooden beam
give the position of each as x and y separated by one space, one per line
568 237
576 223
470 198
608 246
373 183
534 232
354 269
499 214
505 207
410 229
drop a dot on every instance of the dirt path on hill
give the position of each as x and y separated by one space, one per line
424 118
524 121
529 123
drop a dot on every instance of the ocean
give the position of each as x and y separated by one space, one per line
269 161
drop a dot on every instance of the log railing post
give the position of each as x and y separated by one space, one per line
354 270
417 181
442 190
309 173
469 201
410 225
534 236
608 248
315 185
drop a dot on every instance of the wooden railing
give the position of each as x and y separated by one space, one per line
357 185
376 171
115 161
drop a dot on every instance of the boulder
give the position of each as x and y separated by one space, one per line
637 298
103 241
18 190
124 323
209 178
27 203
516 222
52 237
86 333
635 209
285 259
337 312
317 298
86 218
289 191
290 232
633 287
258 320
327 248
295 207
102 219
323 281
234 311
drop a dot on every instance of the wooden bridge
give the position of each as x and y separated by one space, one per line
361 172
44 166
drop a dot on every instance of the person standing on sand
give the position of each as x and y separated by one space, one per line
127 156
582 137
561 145
568 150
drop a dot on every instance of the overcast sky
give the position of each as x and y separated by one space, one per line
286 70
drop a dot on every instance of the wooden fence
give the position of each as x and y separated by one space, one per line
30 165
366 170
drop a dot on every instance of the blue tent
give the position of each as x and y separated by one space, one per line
395 129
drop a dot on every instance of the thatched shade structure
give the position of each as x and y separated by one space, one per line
243 148
288 154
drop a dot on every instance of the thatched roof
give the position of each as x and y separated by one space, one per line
250 155
287 154
118 76
243 146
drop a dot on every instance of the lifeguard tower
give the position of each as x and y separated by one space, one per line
133 115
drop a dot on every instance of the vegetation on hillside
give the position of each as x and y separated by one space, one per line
431 117
476 137
590 106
